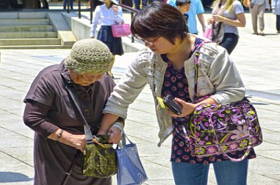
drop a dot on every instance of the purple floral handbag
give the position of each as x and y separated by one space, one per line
221 129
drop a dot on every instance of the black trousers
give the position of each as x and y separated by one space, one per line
278 23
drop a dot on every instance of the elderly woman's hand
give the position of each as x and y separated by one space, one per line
77 141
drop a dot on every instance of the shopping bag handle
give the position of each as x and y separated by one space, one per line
123 141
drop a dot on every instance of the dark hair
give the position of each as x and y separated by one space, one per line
159 19
182 2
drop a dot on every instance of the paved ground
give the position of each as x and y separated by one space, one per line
257 58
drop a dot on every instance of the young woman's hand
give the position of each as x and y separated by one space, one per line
187 108
210 21
218 18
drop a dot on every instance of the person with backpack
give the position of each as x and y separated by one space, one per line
184 66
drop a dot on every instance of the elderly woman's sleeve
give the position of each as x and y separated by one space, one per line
226 79
39 100
34 117
128 90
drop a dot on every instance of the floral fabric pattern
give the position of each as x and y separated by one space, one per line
219 129
175 83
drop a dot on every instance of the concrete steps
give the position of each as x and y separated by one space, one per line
35 47
33 34
10 22
30 41
26 28
29 30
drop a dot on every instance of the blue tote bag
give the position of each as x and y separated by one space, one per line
130 168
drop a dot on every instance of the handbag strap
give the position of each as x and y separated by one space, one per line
87 130
123 142
196 63
69 171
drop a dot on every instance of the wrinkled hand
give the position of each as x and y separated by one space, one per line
187 108
115 135
75 140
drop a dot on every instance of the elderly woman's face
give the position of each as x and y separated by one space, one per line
85 79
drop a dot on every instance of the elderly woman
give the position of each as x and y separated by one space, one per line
49 111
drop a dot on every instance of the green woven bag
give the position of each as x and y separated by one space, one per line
99 160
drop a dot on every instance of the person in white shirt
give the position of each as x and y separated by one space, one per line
106 15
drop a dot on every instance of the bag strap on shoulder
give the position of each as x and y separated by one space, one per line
87 130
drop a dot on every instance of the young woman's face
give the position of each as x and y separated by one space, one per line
159 45
85 79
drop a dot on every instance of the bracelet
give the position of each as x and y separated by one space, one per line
59 134
118 125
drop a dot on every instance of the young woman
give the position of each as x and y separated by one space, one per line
231 14
106 15
168 67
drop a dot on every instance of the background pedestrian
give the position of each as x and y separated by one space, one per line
231 14
105 16
275 4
